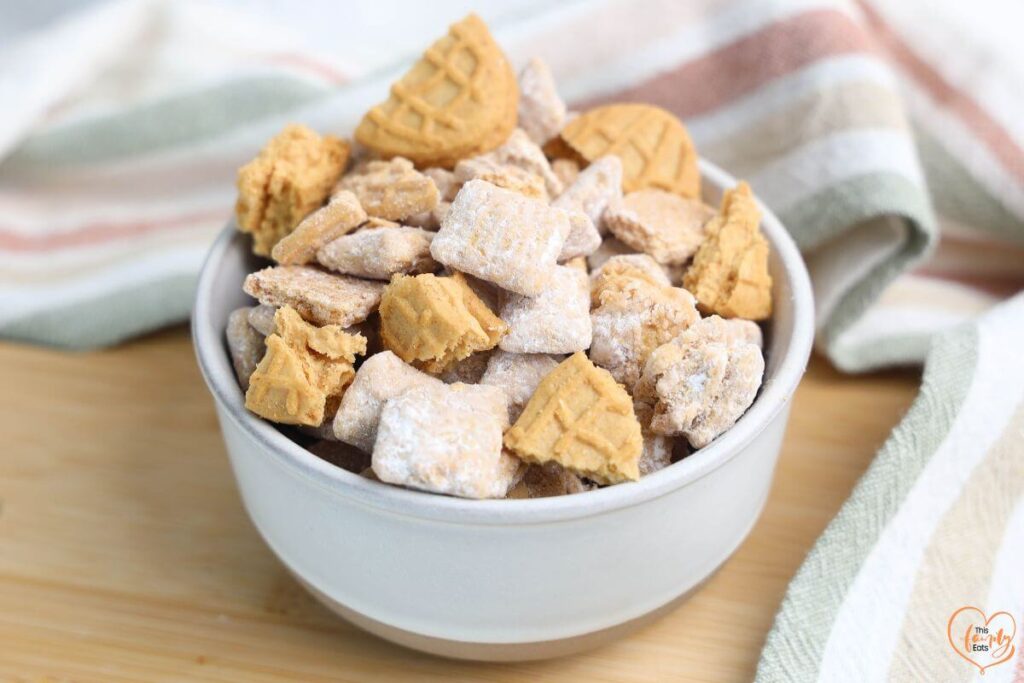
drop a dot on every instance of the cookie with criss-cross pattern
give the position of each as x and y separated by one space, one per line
431 322
580 418
654 146
458 100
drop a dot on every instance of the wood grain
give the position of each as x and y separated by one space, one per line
125 554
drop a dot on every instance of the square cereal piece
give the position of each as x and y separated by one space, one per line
519 151
639 266
320 297
541 109
444 180
425 220
382 376
579 263
391 189
657 453
567 170
580 418
341 215
597 185
584 238
245 344
380 253
555 321
610 246
668 227
446 440
702 381
304 367
432 322
501 237
290 177
633 314
518 375
505 176
262 318
658 449
547 480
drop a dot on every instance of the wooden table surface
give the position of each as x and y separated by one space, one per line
125 554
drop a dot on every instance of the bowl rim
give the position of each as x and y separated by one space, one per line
776 392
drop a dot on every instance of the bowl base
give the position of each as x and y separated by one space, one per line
499 652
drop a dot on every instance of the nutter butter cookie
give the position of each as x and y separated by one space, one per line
580 418
303 367
655 148
432 322
289 178
729 275
458 100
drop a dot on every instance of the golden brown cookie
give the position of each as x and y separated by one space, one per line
580 418
280 389
288 179
303 368
493 326
654 146
460 99
432 322
729 275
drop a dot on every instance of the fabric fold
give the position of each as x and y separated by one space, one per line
896 531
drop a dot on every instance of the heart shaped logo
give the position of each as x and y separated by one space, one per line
982 642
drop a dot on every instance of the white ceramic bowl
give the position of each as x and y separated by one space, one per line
505 579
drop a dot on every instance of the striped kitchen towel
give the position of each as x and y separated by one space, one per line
933 529
123 126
